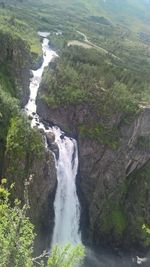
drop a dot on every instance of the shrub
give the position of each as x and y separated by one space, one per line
17 238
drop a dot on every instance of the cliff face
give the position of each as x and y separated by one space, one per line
41 198
24 157
109 177
38 172
15 63
107 181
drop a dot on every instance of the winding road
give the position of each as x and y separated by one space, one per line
96 46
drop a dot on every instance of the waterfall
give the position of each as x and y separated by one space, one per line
66 205
67 208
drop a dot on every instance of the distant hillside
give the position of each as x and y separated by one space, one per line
132 13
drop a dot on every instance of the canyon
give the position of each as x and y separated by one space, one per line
75 129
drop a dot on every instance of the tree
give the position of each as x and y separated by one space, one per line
66 256
16 232
17 238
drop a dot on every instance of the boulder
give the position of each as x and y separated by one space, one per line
31 74
54 147
41 130
62 136
30 117
50 138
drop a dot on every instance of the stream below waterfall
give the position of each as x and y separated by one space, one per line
66 204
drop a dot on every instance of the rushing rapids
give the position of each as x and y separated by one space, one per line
66 204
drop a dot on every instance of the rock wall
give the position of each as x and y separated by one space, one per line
23 163
41 197
15 62
41 180
105 181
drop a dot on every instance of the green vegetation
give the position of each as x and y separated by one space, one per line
143 142
126 35
128 218
17 18
59 39
86 77
137 205
17 39
22 138
82 75
65 79
146 234
17 238
107 136
114 220
8 107
24 144
120 27
109 79
66 256
16 232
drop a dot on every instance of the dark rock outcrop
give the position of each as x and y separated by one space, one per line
104 180
37 61
16 61
42 180
41 197
25 166
50 138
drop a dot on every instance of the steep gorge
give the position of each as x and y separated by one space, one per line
23 157
114 145
108 175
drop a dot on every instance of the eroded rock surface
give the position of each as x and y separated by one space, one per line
39 172
109 175
15 56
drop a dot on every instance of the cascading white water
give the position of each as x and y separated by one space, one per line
48 55
66 206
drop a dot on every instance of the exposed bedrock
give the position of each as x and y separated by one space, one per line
113 182
15 61
40 174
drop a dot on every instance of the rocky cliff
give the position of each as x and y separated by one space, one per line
27 162
23 154
15 63
113 179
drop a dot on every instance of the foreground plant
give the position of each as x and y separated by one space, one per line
17 238
67 256
16 232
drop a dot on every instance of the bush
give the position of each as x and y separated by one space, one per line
22 139
16 232
66 256
17 238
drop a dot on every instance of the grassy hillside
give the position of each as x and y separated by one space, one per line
133 14
18 42
120 27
